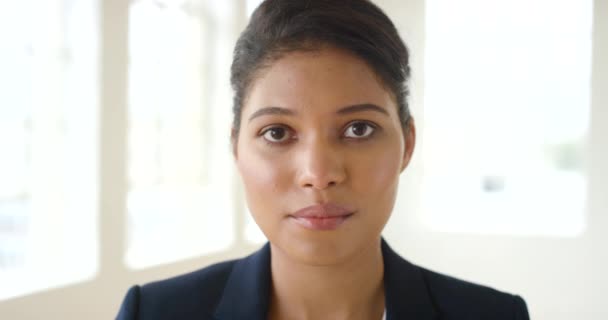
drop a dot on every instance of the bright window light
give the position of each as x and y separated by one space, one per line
48 135
507 107
180 201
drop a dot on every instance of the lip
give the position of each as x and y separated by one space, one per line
326 216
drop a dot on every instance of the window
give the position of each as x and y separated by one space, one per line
181 177
506 116
48 179
183 199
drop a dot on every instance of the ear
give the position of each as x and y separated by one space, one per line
233 141
410 142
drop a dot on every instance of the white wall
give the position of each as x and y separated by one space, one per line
559 278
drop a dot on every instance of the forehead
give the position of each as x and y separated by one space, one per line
317 81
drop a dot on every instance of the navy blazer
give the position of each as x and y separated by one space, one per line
240 289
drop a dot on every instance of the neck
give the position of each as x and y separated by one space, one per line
351 289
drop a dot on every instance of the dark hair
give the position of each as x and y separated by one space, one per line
278 27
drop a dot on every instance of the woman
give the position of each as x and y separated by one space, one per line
320 136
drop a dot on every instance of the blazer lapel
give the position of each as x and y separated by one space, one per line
247 290
407 296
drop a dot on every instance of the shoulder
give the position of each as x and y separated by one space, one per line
418 293
208 293
194 293
458 299
206 283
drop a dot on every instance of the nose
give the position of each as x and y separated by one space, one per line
320 166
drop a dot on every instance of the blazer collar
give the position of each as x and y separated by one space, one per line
406 292
247 291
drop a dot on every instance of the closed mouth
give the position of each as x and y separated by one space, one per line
322 216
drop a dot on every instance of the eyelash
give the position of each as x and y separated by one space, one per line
280 126
374 127
267 129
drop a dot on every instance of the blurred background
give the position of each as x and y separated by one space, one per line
115 164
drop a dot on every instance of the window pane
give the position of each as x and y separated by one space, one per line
180 166
506 115
47 138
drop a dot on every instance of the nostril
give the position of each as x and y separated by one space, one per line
320 185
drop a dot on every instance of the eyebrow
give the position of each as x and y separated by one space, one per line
272 111
362 107
346 110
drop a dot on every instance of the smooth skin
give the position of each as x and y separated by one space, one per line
319 127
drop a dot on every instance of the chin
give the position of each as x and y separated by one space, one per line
326 249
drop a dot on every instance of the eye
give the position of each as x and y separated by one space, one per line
276 134
359 129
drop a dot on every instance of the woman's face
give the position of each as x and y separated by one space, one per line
320 150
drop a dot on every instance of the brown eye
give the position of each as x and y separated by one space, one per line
276 134
359 130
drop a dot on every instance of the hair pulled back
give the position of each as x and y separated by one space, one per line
278 27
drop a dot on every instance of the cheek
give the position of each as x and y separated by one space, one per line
382 173
263 178
378 182
265 185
